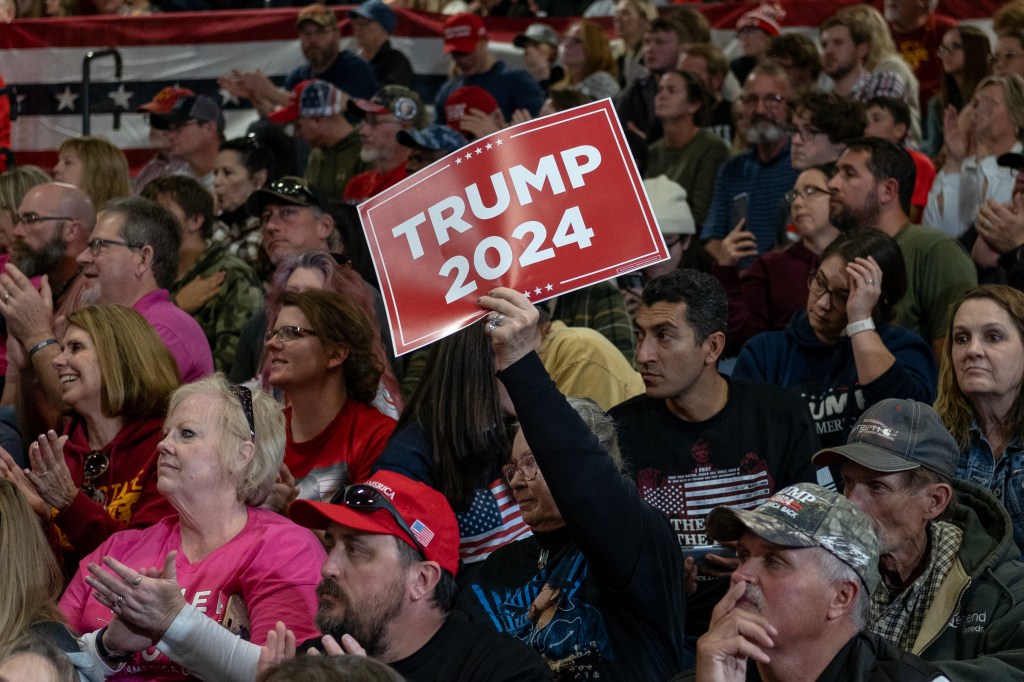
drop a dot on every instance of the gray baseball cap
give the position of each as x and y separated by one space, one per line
537 33
897 435
806 515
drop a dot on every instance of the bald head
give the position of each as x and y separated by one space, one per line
55 222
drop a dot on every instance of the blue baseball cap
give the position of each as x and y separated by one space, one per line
375 10
435 138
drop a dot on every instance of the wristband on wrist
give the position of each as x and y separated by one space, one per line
106 654
861 326
41 345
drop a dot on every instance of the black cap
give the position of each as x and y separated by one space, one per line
290 190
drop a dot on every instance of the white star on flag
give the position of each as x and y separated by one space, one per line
66 99
121 96
226 97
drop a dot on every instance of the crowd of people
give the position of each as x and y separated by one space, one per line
793 450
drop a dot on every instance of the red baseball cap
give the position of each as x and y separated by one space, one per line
424 510
465 98
462 32
164 100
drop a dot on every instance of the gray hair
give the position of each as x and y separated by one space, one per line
833 570
256 478
601 425
147 223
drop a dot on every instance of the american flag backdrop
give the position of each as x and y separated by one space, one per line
43 59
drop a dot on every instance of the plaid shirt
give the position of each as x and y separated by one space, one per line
897 614
879 84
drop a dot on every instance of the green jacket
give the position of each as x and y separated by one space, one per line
223 316
974 630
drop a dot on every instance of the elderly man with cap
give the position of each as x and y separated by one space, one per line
539 44
195 128
317 110
799 598
952 588
394 108
428 145
465 41
317 27
372 24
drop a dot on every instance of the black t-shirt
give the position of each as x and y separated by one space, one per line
467 652
760 442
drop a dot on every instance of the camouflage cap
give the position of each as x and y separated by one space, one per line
397 100
897 435
806 515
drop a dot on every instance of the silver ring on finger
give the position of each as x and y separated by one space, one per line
872 281
45 473
118 600
7 296
137 581
491 326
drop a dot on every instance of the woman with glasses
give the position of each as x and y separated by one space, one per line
842 354
99 475
988 127
764 296
588 61
598 589
219 557
963 55
319 351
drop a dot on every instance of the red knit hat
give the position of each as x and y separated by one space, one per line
766 17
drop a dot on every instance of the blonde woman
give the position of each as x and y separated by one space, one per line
96 166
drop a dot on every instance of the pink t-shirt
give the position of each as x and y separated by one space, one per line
180 333
273 564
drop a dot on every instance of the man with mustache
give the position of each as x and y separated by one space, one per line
952 586
389 585
763 174
799 599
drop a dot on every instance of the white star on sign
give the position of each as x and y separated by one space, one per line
549 288
458 160
469 156
479 151
537 291
497 141
527 293
489 145
121 96
66 99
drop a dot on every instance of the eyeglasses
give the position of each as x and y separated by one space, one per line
97 244
1000 57
96 464
366 498
292 188
771 100
945 50
527 468
288 333
818 287
808 192
33 218
244 396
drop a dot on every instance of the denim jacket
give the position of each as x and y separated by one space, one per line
1005 477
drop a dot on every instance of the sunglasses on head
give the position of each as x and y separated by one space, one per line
292 188
366 498
244 396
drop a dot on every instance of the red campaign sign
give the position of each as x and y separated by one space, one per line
545 207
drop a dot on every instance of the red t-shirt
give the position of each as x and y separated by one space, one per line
342 453
925 178
920 49
365 185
